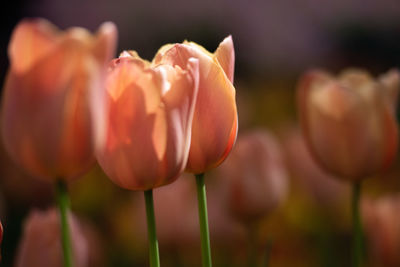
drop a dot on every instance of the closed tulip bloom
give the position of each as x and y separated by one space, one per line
215 121
348 121
52 95
41 241
149 121
255 176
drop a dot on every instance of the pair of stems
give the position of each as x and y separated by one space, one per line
203 218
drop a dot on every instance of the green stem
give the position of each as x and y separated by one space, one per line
357 227
252 246
203 219
151 229
268 247
63 205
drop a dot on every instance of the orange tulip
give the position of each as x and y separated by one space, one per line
255 176
52 95
149 121
41 241
349 122
215 121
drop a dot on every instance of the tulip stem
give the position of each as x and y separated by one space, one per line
63 205
203 219
151 229
357 227
252 246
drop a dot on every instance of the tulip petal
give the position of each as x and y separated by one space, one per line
129 157
179 105
146 146
390 82
105 44
31 40
215 119
225 54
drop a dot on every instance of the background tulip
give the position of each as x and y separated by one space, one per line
41 245
350 128
349 121
256 183
53 95
255 176
148 123
215 121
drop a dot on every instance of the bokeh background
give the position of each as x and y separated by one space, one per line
275 42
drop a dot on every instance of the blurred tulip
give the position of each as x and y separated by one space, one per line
41 242
52 96
215 121
255 176
149 121
382 228
349 122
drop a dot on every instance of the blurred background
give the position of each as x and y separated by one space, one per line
275 42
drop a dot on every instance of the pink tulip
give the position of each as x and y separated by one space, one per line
41 242
215 121
149 121
52 96
255 176
349 121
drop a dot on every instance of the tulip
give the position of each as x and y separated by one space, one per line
149 123
349 121
215 121
40 244
53 103
255 176
350 127
52 96
256 182
382 225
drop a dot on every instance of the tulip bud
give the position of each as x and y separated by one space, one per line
349 121
41 241
149 121
215 121
52 95
255 176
